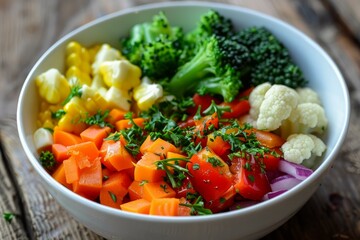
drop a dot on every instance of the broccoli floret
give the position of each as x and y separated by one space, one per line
271 60
160 59
210 23
156 40
215 69
47 160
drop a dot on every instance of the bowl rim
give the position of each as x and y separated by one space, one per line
325 165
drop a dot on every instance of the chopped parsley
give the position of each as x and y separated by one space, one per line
8 216
58 114
99 119
47 160
174 172
75 91
197 208
113 196
215 162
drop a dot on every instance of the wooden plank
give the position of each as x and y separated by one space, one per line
44 217
347 11
9 204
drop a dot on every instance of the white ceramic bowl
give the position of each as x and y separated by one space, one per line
249 223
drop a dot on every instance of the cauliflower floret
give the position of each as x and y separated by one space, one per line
105 53
118 98
147 93
299 147
277 105
256 98
120 74
308 118
53 86
307 95
42 138
286 111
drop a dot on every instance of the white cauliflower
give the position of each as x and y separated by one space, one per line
256 98
307 95
287 111
118 98
308 118
147 93
105 53
294 114
276 105
120 74
300 147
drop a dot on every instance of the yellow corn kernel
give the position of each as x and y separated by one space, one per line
71 124
44 115
75 107
48 124
76 77
73 47
76 60
91 106
100 101
93 51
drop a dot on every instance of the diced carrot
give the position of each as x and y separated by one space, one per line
71 170
165 207
146 144
159 189
130 171
90 181
268 139
85 153
60 152
95 134
146 169
116 156
136 190
160 147
126 123
115 115
59 175
136 206
106 173
114 189
65 138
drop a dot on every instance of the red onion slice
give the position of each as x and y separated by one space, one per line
273 194
284 182
298 171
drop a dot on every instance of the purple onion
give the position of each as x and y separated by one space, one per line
284 182
273 194
298 171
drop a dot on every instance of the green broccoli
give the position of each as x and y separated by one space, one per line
210 23
271 60
47 160
215 69
154 46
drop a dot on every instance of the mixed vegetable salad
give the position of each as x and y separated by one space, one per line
179 124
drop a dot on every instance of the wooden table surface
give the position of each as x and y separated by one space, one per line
29 27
